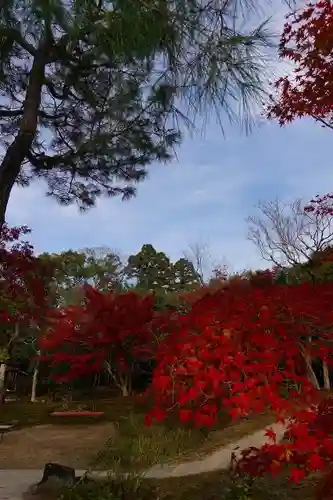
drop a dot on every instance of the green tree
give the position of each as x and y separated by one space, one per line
106 269
92 91
319 267
150 271
283 277
184 279
185 275
99 267
70 273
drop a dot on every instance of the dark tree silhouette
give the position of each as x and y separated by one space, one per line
90 90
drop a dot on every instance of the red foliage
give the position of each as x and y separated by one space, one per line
23 279
244 348
321 205
307 41
108 328
235 350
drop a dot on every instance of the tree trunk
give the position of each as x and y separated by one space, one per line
311 374
3 367
33 397
124 383
326 375
20 147
308 362
124 390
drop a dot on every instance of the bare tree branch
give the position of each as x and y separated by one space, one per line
17 36
199 254
5 112
287 235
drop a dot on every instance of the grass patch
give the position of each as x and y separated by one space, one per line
210 486
136 447
219 486
24 414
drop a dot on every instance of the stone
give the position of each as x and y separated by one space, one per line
63 474
55 477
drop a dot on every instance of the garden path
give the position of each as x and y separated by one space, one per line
15 483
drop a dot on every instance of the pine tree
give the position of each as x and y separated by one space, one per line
93 91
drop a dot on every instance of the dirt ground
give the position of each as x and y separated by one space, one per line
31 448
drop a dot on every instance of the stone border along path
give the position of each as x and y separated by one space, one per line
14 483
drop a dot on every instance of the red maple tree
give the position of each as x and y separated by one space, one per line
321 205
109 331
24 283
246 350
21 289
306 41
23 279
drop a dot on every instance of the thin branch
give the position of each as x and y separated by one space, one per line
11 113
20 40
285 234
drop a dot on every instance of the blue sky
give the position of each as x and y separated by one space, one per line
205 195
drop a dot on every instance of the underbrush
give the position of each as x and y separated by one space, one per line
210 486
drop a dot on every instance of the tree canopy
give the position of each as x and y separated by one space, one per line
92 92
99 267
152 271
306 41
